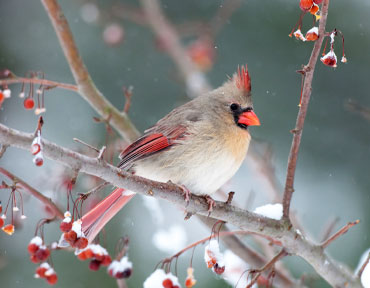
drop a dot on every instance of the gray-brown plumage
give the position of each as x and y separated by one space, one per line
199 145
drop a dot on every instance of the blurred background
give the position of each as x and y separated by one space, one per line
120 49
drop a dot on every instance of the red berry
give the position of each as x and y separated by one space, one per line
8 229
35 148
87 254
218 269
34 259
42 254
38 161
167 283
106 260
70 237
1 96
305 5
65 226
29 103
32 248
127 273
41 271
94 265
1 222
52 279
81 243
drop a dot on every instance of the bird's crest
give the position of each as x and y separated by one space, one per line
242 79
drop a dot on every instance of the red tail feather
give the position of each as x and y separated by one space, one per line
95 219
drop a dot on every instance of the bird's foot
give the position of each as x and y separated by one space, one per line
211 203
187 194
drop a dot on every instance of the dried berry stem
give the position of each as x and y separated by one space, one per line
33 192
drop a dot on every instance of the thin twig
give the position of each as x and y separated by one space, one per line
86 86
267 267
121 283
44 82
47 201
342 231
87 145
329 228
128 95
297 131
3 150
363 266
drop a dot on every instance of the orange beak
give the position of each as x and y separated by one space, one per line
249 118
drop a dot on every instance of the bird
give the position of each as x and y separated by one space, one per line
199 145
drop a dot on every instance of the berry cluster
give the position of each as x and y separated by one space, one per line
74 237
120 269
98 255
28 102
10 228
47 272
330 59
38 251
214 258
311 6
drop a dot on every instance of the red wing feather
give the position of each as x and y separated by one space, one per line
147 145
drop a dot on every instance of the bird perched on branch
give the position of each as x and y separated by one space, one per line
199 145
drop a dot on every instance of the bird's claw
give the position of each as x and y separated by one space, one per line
211 203
187 194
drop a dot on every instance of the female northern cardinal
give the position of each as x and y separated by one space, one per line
199 145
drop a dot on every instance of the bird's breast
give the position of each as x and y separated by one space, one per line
202 164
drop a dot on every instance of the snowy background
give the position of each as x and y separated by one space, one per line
332 179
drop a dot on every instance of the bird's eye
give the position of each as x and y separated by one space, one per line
234 107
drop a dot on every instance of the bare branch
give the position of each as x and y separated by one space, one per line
44 82
297 131
86 86
293 242
47 201
195 80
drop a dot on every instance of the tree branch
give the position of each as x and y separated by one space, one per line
47 201
294 243
306 93
250 256
86 86
195 81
